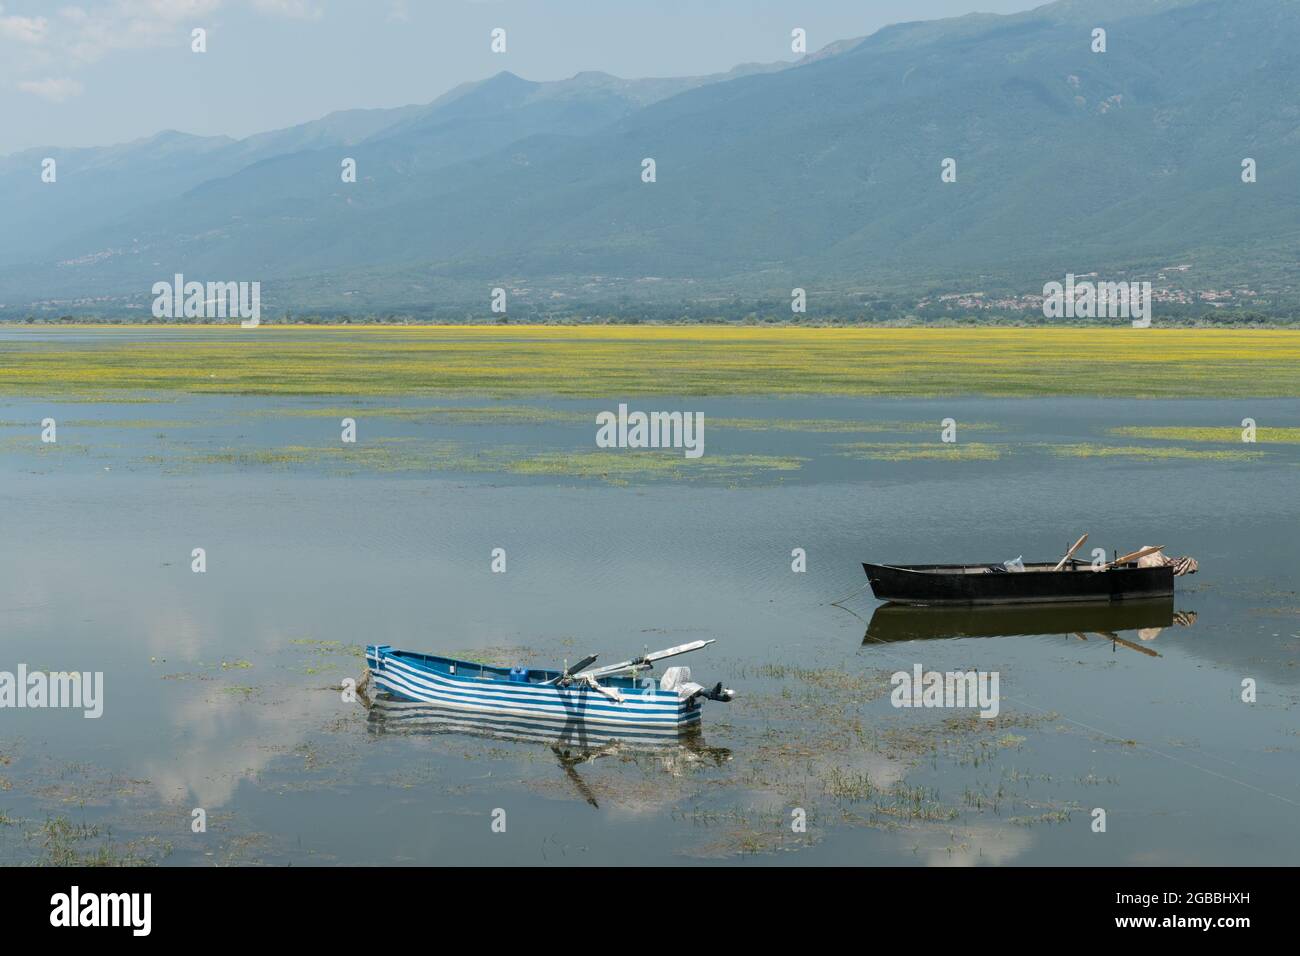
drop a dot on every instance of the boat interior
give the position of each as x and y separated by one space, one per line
475 670
1046 566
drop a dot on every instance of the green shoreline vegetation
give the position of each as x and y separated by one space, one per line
603 361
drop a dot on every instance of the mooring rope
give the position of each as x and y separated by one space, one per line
840 602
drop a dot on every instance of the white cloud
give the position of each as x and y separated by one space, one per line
54 89
81 34
23 29
172 10
294 9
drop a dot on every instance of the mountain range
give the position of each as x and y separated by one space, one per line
823 173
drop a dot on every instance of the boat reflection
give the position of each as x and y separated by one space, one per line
892 623
573 742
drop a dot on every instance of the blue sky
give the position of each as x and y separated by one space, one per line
95 72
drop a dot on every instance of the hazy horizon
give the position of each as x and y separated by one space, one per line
85 75
903 179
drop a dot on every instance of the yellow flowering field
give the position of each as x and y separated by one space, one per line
604 361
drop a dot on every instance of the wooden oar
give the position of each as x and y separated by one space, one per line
1069 554
646 661
609 692
567 674
1134 555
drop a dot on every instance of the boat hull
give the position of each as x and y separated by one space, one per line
465 685
1037 584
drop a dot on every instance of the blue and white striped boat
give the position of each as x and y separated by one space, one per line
612 696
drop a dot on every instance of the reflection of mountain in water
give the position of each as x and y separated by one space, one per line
892 623
572 741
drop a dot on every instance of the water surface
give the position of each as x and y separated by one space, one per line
222 687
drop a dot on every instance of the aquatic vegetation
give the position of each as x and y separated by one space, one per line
66 843
328 655
33 445
1230 434
936 451
916 805
645 464
384 455
444 414
865 687
837 425
605 360
1050 816
1152 452
241 691
844 784
537 415
131 423
411 455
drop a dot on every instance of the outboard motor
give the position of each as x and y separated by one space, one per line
679 679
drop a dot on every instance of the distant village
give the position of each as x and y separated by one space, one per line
1162 291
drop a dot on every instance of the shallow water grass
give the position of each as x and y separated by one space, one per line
1222 434
538 415
916 451
1153 452
445 414
418 456
816 425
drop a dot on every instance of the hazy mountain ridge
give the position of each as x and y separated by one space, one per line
827 174
101 185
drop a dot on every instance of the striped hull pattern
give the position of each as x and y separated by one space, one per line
417 677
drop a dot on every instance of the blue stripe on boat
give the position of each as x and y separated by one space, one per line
468 686
636 698
420 664
562 710
565 699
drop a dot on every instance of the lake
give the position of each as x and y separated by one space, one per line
222 688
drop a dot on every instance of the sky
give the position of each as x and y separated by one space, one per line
98 72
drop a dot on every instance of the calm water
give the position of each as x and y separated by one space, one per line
221 688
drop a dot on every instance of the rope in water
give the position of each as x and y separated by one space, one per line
841 601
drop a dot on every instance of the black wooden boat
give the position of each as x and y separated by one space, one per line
1037 583
906 622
